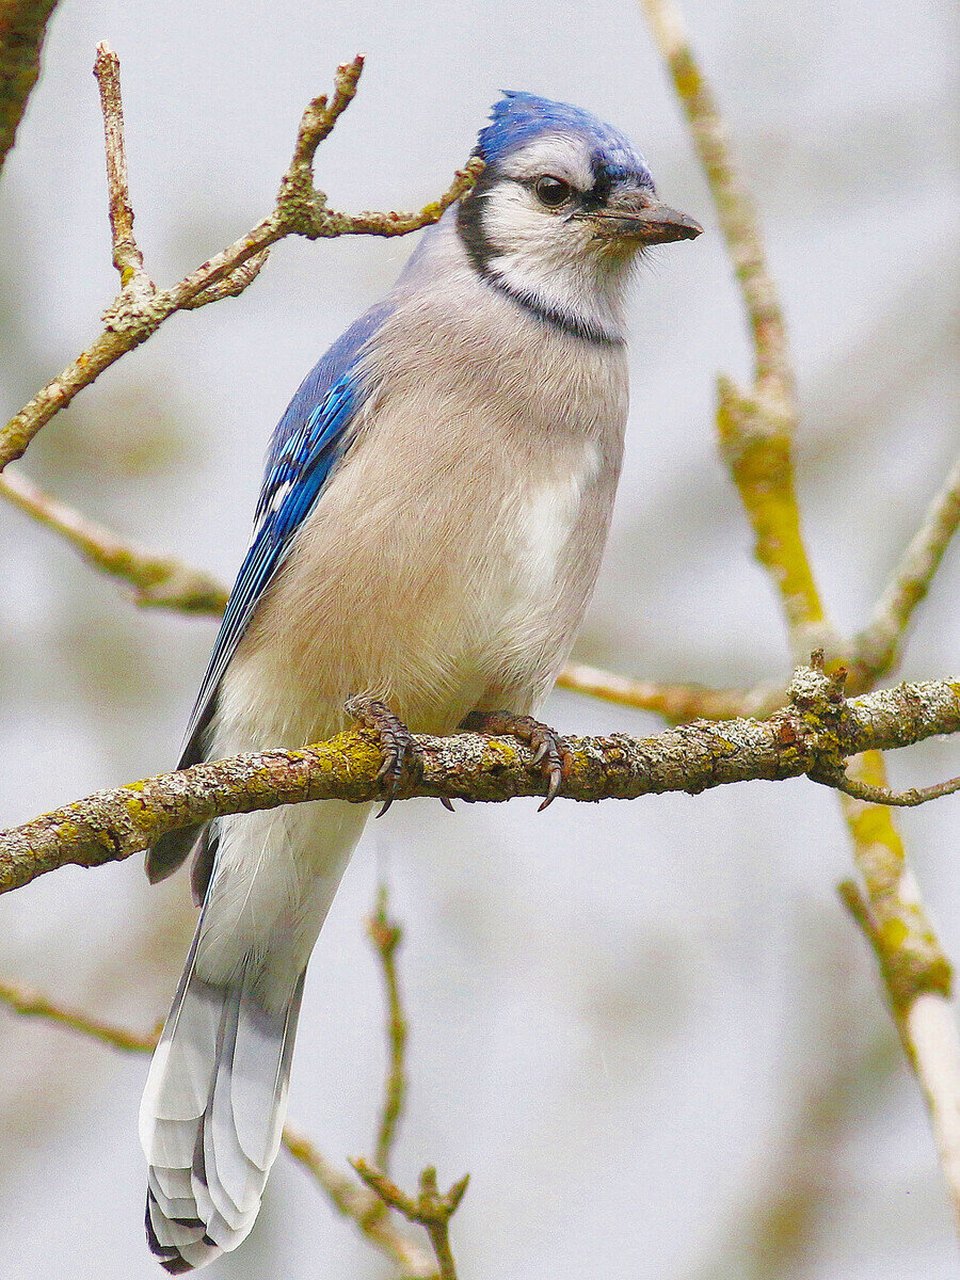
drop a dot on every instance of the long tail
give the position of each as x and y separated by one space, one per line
213 1108
212 1115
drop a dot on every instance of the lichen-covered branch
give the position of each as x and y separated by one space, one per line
812 735
140 308
756 433
158 581
735 209
756 427
23 24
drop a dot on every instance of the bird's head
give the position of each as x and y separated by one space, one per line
564 206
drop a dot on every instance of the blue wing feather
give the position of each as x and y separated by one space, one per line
309 440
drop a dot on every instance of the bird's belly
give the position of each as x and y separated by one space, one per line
435 612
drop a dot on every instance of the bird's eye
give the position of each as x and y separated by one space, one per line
553 192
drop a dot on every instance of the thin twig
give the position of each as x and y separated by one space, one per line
386 936
160 581
34 1005
881 795
431 1208
301 209
676 703
877 647
127 257
363 1208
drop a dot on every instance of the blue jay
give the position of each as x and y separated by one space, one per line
433 512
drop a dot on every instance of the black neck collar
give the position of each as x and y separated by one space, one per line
480 254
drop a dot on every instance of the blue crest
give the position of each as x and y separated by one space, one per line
520 117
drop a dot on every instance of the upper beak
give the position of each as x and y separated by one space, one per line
645 220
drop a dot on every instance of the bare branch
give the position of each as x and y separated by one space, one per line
127 257
810 736
908 799
676 703
363 1208
230 286
735 209
430 1208
386 936
878 645
23 25
34 1005
756 432
138 311
756 428
160 581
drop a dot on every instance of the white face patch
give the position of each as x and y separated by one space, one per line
548 256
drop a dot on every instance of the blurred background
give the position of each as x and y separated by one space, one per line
648 1030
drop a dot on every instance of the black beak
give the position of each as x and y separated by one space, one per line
647 221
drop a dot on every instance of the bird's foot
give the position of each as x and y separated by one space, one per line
550 750
402 766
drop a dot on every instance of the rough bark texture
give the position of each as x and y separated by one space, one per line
813 736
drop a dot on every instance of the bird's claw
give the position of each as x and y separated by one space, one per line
402 766
550 752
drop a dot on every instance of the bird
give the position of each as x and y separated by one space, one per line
434 508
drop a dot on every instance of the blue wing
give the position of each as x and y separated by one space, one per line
309 440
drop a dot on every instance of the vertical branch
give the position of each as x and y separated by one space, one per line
386 935
738 219
756 432
127 257
755 427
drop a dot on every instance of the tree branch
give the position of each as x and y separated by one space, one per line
676 703
23 25
140 308
431 1208
363 1208
813 735
127 257
877 648
756 434
756 428
159 581
386 936
32 1004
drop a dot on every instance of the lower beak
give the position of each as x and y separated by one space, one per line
651 223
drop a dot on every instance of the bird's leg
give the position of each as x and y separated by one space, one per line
550 751
402 764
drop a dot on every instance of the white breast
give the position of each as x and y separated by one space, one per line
549 516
